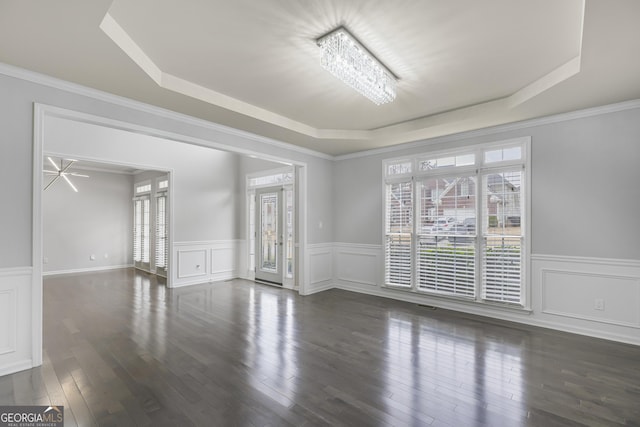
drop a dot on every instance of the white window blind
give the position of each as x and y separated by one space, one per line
161 253
454 223
446 236
141 230
145 230
399 226
502 243
137 230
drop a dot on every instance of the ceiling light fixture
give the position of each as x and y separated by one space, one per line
351 62
62 172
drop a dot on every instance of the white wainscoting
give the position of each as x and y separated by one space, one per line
320 268
202 262
15 319
563 291
242 260
86 270
358 264
566 291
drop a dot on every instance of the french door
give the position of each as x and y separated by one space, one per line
141 225
269 235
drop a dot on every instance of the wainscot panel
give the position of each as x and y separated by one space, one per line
360 264
207 261
15 319
320 267
590 296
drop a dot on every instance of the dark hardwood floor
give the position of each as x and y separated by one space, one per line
121 350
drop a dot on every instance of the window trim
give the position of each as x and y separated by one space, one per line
138 192
479 168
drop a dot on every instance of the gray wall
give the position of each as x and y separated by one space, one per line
585 199
97 220
584 172
204 183
16 156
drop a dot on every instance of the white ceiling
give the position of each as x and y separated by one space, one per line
254 65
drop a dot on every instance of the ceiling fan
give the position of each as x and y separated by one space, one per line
62 171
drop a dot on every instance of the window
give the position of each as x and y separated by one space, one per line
454 226
161 231
141 230
398 229
285 177
143 188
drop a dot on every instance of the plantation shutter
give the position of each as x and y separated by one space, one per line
502 243
137 230
145 230
398 233
446 240
161 231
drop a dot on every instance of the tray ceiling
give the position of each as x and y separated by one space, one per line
254 66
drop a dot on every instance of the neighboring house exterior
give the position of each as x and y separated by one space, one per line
456 198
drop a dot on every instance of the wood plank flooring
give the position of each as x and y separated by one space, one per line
122 350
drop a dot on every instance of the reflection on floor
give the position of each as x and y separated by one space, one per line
121 349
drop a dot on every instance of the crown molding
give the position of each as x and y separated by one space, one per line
525 124
42 79
55 83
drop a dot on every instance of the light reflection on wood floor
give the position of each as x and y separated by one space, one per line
120 350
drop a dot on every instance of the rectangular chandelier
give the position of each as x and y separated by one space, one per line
351 62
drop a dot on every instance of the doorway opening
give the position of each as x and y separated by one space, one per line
84 136
271 226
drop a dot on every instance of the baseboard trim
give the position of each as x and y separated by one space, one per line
16 271
86 270
14 367
617 262
523 317
203 280
320 288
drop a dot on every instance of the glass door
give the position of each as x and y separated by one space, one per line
141 233
269 235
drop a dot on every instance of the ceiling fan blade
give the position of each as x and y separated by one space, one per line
52 181
53 163
71 162
69 182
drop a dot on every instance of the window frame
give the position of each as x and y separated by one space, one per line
162 190
479 169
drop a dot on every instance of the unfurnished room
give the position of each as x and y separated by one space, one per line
322 212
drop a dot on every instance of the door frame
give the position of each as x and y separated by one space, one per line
294 281
278 276
42 111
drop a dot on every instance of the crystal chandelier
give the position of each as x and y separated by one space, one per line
352 63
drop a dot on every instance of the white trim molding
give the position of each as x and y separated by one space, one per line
86 270
42 79
591 296
15 320
320 267
564 290
205 261
358 264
